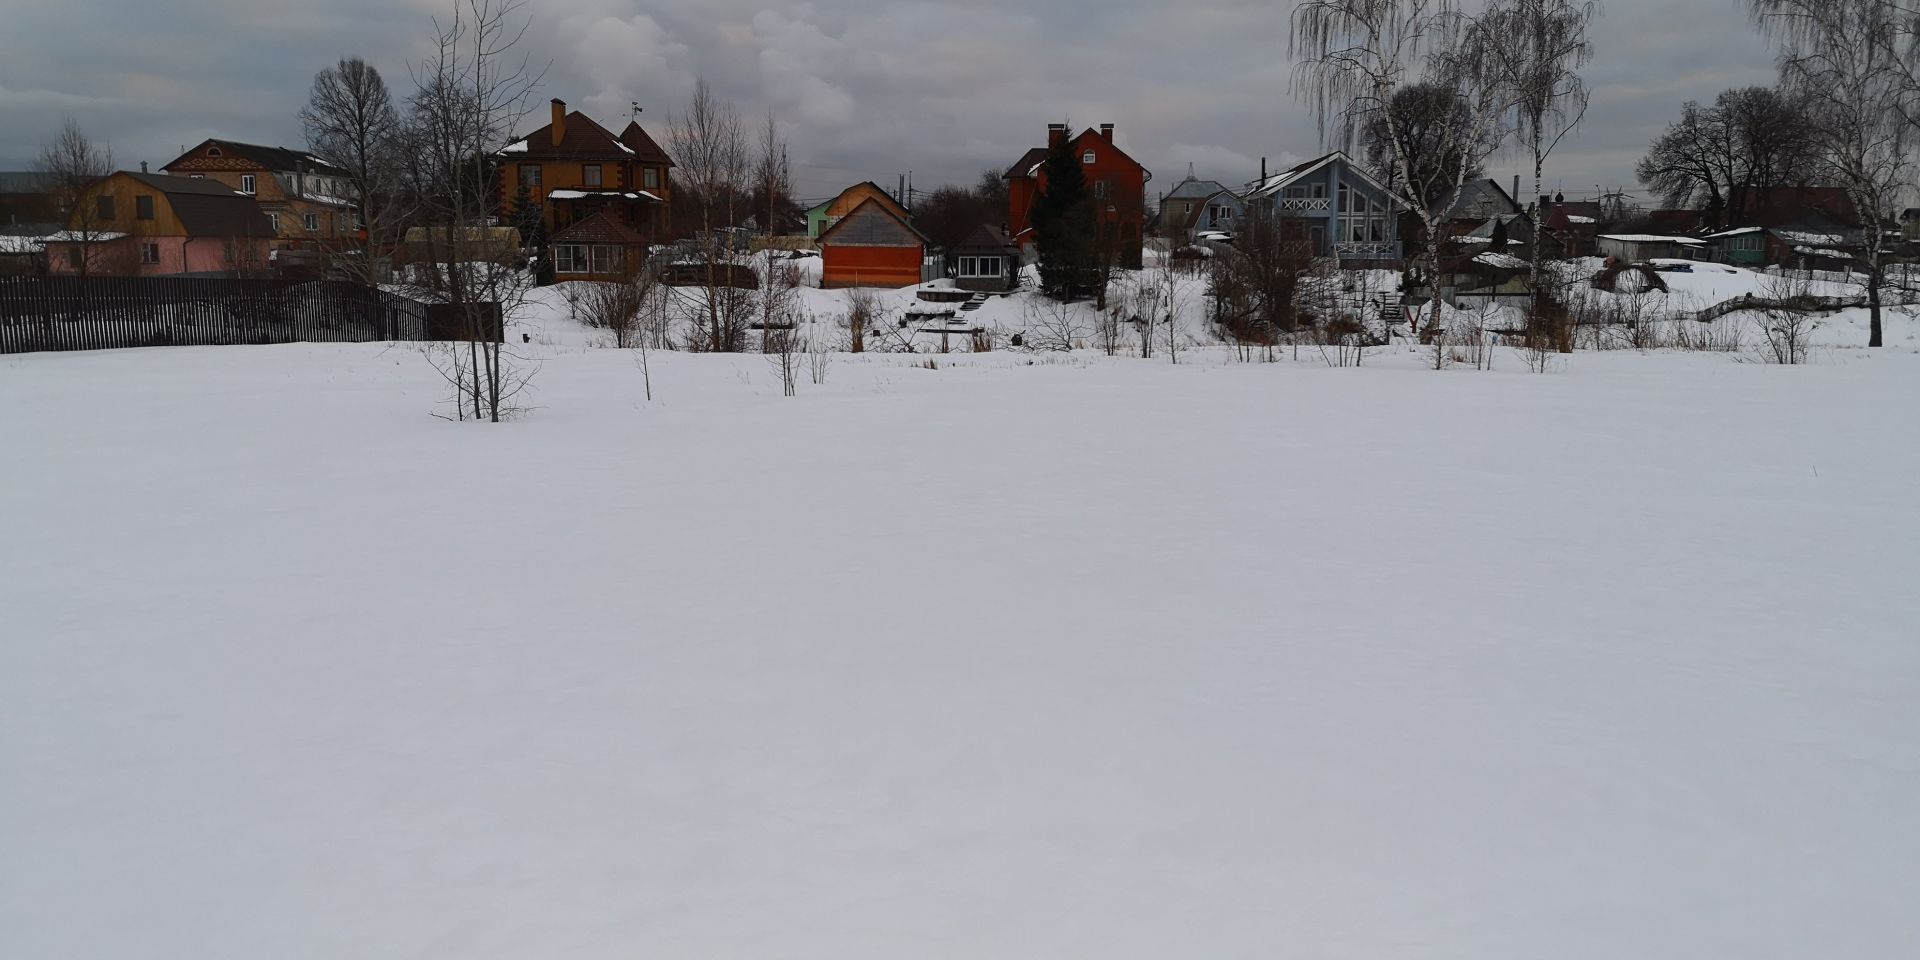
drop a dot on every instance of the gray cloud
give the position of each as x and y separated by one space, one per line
863 89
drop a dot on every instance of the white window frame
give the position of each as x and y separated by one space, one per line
273 219
590 175
603 258
650 178
312 221
569 258
981 267
248 184
149 253
1087 157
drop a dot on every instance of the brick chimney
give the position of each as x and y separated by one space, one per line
1056 136
559 120
1106 132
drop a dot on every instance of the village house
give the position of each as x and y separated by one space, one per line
1641 247
874 245
826 214
1186 209
1333 207
310 203
985 262
600 247
1116 182
145 224
573 169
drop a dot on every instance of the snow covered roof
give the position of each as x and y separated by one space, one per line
329 201
1272 185
82 236
1576 218
1505 261
1810 239
611 194
518 146
1823 252
1735 232
1652 238
12 244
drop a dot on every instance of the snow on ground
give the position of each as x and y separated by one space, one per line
1029 655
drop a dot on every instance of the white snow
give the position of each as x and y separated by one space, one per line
1735 232
15 244
1029 655
82 236
1576 218
518 146
1502 260
1653 238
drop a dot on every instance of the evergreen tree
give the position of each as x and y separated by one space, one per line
526 218
1063 227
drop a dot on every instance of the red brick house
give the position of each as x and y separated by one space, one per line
1117 182
574 168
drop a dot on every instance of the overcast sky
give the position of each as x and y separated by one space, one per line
864 89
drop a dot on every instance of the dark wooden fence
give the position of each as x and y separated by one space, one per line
95 313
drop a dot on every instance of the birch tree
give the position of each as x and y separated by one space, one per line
710 153
1542 44
67 168
1853 61
1353 56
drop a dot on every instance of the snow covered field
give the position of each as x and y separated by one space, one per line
1027 656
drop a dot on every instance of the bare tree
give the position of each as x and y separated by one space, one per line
1355 55
68 167
711 156
770 179
351 123
1850 59
1542 44
472 89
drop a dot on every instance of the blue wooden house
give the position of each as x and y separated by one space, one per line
1333 206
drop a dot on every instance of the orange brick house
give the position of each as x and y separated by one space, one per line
1117 182
575 169
874 245
309 202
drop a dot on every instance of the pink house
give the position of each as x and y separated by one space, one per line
151 225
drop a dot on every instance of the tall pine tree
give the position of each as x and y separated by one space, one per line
1063 226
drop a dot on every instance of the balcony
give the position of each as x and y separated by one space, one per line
1367 250
1305 204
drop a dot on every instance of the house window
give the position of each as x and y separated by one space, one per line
591 174
530 174
1100 189
273 219
213 151
196 176
103 207
246 183
569 258
1087 157
987 267
143 208
606 259
1318 190
313 222
149 253
650 178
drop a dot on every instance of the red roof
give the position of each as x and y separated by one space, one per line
588 140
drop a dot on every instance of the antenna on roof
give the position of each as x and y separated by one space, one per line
1189 169
636 109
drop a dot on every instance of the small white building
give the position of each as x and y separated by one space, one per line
1641 247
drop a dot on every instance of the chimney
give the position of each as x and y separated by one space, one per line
1263 168
1056 136
1516 188
1106 132
559 120
143 166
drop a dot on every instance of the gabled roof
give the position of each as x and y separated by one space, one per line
599 228
1473 189
1192 189
643 146
585 140
207 208
1199 210
1029 162
983 237
1272 185
1025 166
887 208
878 192
272 158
